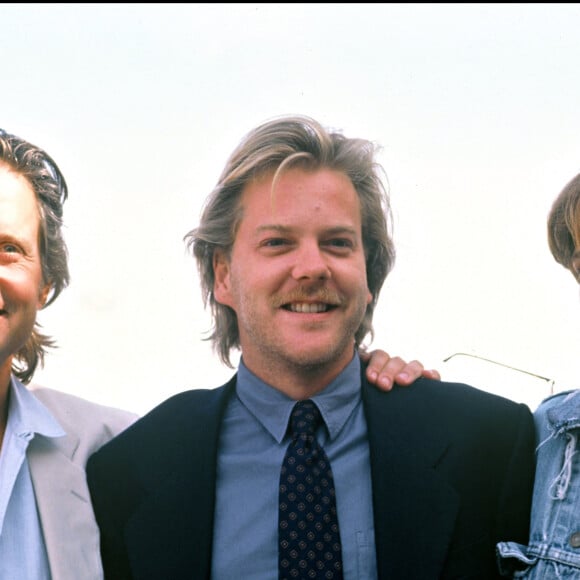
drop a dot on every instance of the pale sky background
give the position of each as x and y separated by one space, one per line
476 106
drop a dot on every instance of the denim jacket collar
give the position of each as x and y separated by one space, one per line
565 416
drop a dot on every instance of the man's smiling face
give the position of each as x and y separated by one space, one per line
22 292
296 276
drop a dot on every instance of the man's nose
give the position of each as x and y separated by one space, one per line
311 263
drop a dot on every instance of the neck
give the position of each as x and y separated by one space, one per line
295 381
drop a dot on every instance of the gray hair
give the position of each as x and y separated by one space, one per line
50 188
276 145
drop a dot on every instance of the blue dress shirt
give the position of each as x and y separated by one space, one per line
22 548
252 446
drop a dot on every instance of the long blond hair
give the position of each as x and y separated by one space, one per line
275 145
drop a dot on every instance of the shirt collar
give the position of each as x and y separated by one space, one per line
272 408
27 416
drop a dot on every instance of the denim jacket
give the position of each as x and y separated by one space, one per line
553 551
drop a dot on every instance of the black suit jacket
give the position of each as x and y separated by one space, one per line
452 474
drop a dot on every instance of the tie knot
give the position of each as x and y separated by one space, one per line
305 418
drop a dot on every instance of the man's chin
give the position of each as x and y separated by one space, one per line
316 358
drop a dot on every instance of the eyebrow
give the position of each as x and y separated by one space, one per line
8 238
285 229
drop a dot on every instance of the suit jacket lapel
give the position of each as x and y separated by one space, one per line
171 531
414 509
65 510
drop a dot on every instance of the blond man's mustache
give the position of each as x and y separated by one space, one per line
323 295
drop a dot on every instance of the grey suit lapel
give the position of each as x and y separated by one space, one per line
65 510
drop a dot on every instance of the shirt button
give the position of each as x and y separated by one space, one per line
575 540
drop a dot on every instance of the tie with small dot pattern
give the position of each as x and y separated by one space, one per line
309 539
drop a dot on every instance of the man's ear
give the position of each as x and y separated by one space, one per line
222 281
43 295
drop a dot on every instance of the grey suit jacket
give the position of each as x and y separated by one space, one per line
57 468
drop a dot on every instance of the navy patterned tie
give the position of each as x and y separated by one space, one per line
309 539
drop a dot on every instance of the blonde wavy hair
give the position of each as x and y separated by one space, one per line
275 145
